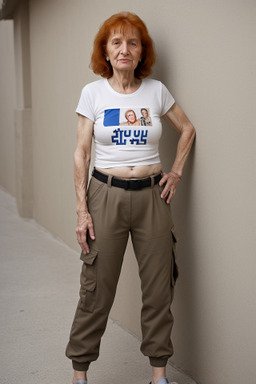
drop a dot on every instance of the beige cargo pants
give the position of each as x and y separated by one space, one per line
116 213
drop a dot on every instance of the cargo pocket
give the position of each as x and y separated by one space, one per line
174 268
88 280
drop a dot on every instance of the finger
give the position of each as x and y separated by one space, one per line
163 180
91 232
78 236
81 239
83 243
165 192
170 197
85 247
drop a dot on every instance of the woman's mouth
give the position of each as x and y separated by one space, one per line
124 61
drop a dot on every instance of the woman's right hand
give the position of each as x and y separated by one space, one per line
84 224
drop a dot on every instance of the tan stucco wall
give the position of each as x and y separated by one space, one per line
7 102
206 57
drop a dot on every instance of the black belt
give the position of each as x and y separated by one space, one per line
126 183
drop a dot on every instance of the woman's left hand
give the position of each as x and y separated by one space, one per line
171 181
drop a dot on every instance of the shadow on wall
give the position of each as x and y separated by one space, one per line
185 302
185 333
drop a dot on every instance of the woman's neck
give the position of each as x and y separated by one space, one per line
124 82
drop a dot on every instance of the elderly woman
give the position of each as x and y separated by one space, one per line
128 193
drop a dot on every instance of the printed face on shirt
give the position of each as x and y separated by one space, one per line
124 49
130 116
144 113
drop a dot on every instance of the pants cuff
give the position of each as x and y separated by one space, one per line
158 362
80 366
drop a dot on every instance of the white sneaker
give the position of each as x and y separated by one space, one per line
164 380
81 382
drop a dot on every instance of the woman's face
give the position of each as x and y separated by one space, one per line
124 49
131 116
144 113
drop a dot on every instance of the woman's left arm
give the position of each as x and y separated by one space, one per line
177 119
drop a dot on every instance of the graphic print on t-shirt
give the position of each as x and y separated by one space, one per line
125 117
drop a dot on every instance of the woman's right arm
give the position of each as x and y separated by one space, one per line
82 158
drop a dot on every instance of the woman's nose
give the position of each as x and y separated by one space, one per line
124 48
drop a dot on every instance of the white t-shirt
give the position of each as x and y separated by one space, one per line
127 127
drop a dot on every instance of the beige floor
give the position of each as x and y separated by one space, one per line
39 283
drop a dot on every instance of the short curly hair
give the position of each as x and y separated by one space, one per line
122 20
